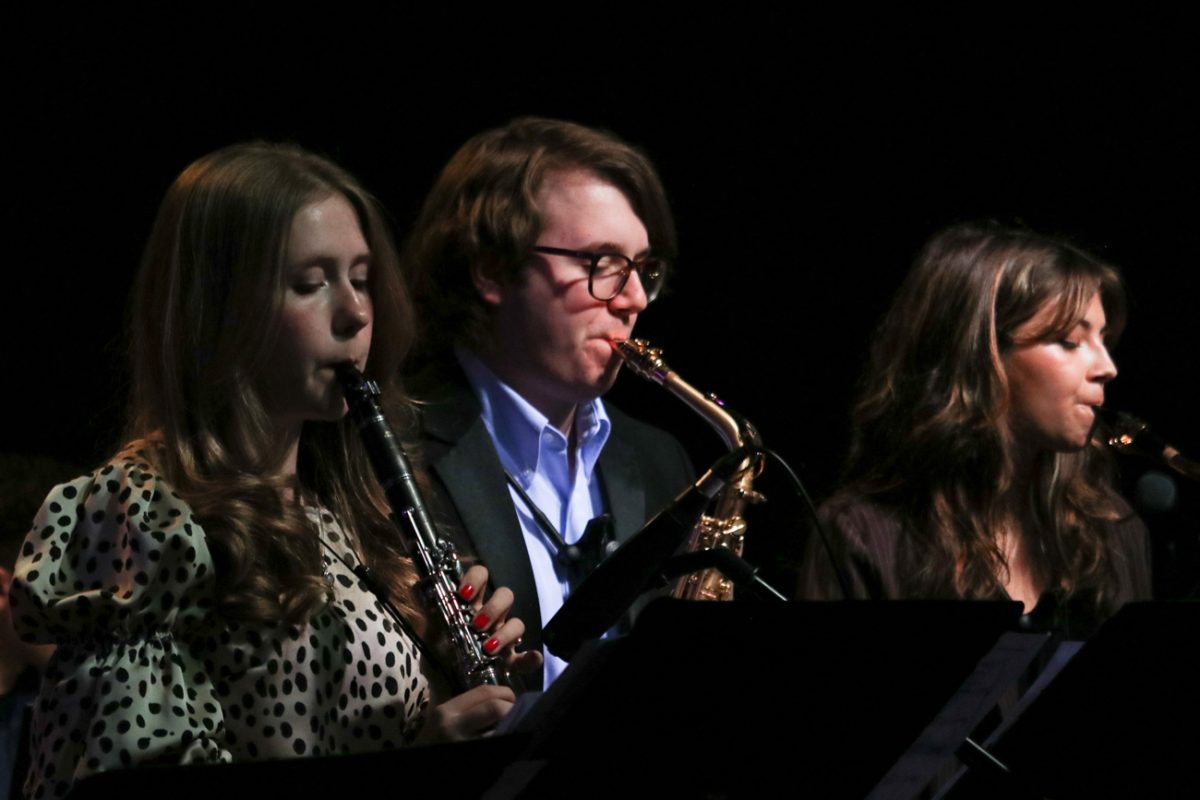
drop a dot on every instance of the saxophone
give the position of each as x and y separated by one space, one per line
432 555
725 527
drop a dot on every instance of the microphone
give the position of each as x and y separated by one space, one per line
1156 492
597 604
1127 433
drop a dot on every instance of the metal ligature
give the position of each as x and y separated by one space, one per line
432 555
725 527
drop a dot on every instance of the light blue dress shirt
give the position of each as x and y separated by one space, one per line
536 453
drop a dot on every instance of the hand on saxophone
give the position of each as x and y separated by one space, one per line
476 712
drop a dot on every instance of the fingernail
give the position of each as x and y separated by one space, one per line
482 620
466 592
491 645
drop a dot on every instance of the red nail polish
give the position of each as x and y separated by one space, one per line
482 620
491 645
466 592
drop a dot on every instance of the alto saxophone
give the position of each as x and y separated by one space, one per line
725 527
432 555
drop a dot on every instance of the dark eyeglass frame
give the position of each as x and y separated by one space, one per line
651 279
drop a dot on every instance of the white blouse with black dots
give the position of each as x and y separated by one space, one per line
118 573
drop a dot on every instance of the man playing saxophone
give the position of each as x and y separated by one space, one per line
540 243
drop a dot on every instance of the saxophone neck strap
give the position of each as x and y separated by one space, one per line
579 559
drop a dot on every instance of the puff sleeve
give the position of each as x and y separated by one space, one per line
117 573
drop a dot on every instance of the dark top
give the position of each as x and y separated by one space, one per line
865 538
14 733
641 469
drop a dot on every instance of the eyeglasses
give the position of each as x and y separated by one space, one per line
609 272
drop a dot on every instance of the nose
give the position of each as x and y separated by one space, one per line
632 297
1103 368
351 312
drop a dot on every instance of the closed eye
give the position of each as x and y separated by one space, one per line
308 287
360 273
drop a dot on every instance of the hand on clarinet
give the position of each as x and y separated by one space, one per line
493 616
477 711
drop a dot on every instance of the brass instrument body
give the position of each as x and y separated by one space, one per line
725 526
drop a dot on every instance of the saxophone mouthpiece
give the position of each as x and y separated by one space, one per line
645 361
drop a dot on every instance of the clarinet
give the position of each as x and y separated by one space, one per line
432 555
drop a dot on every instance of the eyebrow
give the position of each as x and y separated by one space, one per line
612 247
322 261
1087 326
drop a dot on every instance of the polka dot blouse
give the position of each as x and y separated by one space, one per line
117 572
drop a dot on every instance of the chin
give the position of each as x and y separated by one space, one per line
587 390
333 412
340 415
607 379
1074 444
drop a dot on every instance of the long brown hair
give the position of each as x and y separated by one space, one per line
204 316
931 437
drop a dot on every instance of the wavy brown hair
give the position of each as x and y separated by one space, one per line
204 316
931 435
483 211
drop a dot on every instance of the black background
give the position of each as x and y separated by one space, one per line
806 161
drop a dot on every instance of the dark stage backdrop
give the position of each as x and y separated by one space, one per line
805 168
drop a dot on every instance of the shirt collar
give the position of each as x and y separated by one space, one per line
522 434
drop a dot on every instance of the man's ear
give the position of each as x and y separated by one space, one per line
6 577
484 274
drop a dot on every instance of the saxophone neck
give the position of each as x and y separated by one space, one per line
647 363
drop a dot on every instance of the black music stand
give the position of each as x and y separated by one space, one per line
1119 720
465 769
934 757
713 699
